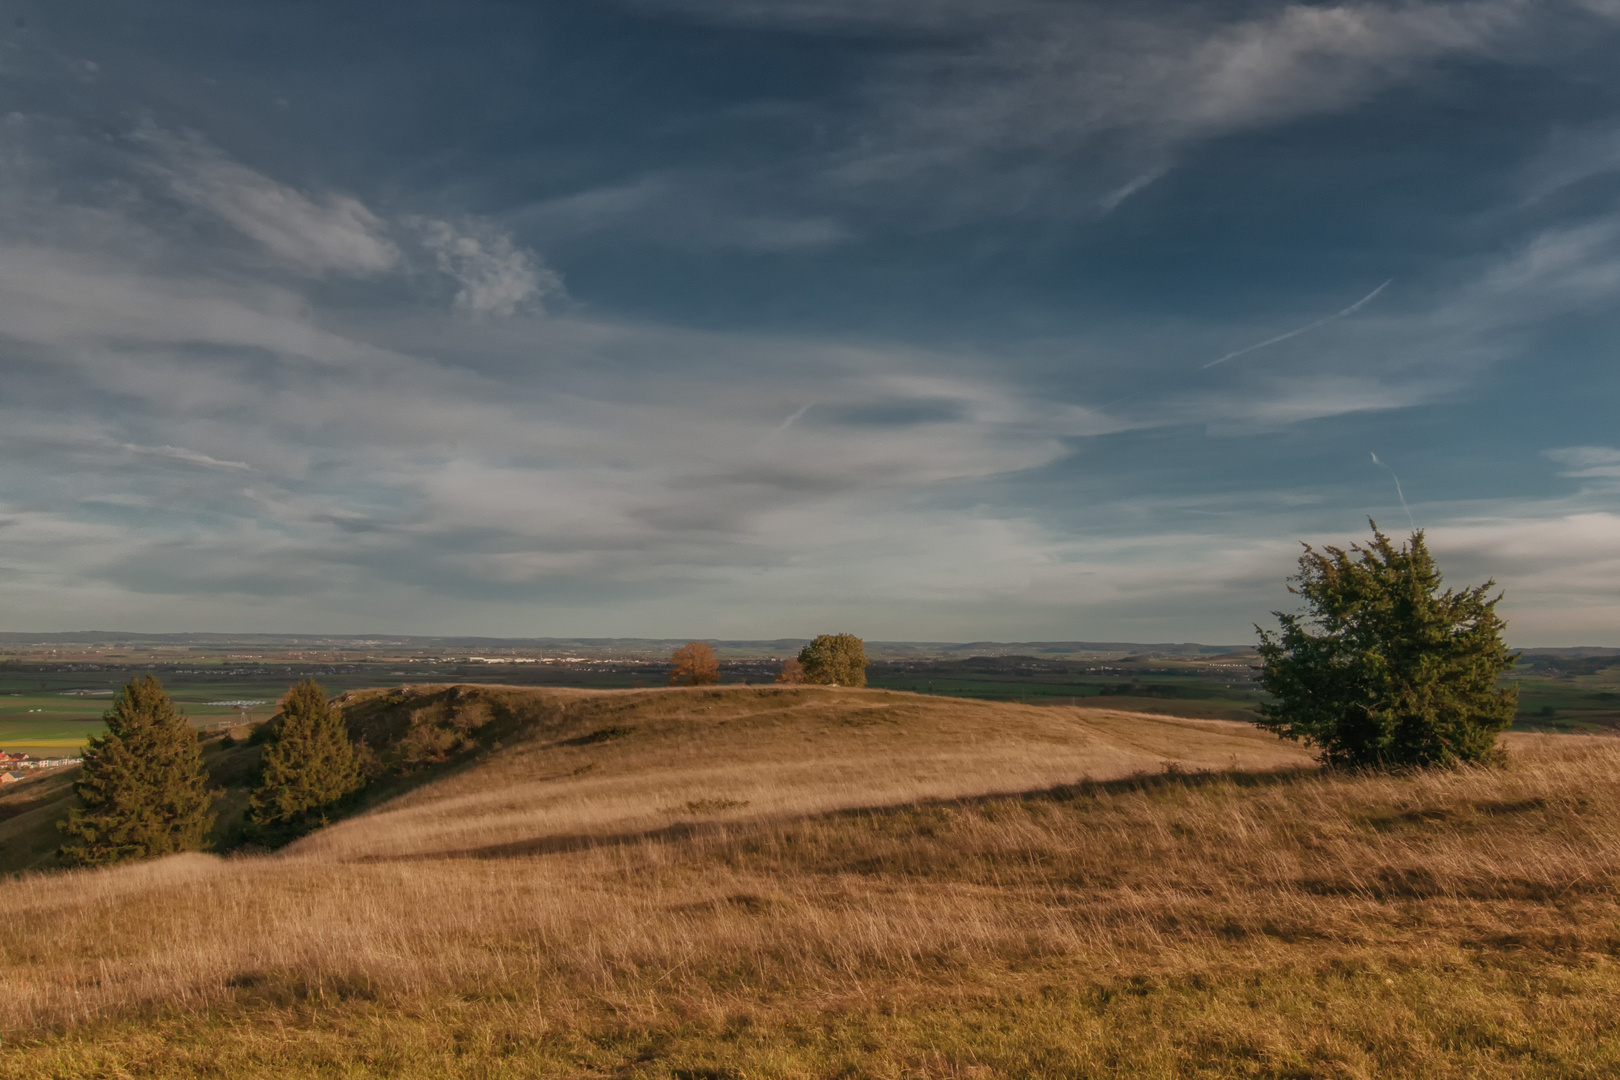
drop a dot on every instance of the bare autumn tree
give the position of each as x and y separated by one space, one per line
694 664
792 672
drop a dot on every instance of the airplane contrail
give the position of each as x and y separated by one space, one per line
1399 494
1352 309
784 425
1108 203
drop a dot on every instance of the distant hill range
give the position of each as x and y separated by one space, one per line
616 648
658 648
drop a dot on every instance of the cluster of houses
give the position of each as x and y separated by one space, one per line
15 767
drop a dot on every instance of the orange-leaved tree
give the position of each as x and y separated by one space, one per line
693 664
792 672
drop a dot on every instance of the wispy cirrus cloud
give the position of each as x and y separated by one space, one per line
180 453
1587 461
996 88
614 454
691 211
614 458
312 234
333 232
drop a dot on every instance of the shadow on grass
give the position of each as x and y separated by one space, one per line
1148 783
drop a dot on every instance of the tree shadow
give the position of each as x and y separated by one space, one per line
1145 783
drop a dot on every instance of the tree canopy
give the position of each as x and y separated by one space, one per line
694 664
837 659
142 788
1384 669
308 766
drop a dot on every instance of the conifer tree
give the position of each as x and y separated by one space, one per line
309 764
1385 669
142 788
838 659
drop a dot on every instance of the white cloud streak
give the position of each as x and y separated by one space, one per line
336 233
180 453
316 235
1587 461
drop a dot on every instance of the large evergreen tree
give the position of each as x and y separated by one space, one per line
309 764
142 788
839 659
1385 669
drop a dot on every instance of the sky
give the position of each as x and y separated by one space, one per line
936 320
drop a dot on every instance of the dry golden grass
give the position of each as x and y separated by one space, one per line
899 886
742 754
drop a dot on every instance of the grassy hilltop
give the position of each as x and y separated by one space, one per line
795 882
54 689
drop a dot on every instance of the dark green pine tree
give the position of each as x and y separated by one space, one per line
1385 669
309 765
142 788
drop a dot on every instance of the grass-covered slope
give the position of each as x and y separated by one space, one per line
796 883
593 766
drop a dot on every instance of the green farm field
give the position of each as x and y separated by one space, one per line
55 713
1580 695
54 721
1223 692
52 709
1559 690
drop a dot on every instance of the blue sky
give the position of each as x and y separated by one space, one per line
754 319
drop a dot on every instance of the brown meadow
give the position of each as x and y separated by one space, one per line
813 882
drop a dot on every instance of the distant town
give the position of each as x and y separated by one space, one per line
15 767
